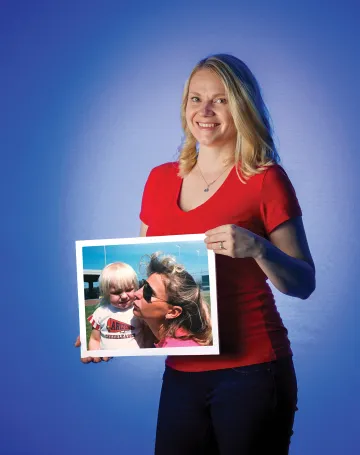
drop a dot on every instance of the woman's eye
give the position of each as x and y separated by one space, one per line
195 99
220 101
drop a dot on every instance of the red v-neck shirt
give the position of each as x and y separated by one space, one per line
250 328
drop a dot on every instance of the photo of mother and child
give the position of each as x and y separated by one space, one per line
167 309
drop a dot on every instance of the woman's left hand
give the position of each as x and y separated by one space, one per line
234 241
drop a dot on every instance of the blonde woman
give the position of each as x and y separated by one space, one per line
171 304
228 183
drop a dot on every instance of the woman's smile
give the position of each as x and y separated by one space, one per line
207 126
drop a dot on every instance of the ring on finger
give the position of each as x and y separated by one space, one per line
222 245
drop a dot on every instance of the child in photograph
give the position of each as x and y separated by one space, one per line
113 322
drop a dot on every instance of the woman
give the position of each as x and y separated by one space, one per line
171 305
228 184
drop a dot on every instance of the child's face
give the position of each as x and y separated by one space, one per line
122 299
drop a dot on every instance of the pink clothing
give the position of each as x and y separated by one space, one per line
170 342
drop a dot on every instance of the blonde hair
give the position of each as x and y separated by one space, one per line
255 149
118 275
182 290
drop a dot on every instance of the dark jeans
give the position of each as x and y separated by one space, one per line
245 410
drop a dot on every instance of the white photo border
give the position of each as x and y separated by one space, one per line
193 350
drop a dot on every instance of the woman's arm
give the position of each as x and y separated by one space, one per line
143 229
285 259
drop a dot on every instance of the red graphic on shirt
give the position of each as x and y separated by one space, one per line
117 326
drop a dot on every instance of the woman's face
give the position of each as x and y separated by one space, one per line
157 308
207 110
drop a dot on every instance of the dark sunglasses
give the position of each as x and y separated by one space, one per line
148 291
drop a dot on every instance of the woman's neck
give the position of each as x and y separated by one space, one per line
213 160
155 326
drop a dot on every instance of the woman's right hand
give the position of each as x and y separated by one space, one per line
90 359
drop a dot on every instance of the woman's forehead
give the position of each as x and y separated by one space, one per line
156 281
206 80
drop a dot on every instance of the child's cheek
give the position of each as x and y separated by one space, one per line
114 299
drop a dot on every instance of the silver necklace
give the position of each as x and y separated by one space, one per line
209 184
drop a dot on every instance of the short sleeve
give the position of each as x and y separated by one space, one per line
148 199
158 191
278 199
94 319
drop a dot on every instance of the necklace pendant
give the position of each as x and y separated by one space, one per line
206 189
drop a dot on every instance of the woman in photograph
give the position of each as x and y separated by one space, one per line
171 304
228 183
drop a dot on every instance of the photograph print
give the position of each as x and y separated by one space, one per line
147 296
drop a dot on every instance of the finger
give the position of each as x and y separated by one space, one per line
221 237
86 359
216 248
106 359
217 230
77 343
222 252
96 359
223 244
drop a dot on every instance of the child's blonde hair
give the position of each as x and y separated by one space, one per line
118 275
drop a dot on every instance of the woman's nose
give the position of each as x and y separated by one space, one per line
207 108
138 294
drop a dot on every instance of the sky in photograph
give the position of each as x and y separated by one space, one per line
192 254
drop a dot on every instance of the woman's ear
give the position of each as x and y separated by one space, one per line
174 312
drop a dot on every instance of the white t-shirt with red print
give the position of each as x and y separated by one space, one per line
118 328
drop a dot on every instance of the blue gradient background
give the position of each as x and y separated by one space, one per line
90 95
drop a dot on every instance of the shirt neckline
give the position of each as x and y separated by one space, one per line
208 201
